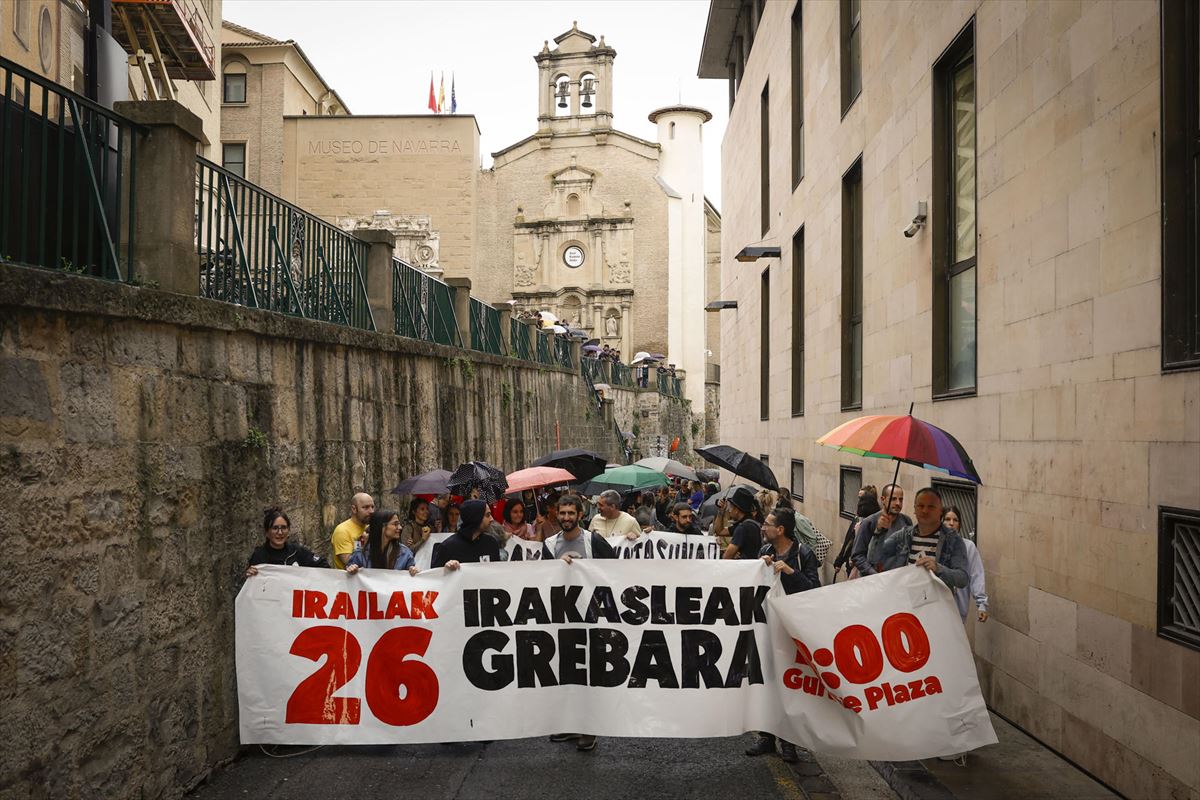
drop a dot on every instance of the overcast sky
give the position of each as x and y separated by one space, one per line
378 54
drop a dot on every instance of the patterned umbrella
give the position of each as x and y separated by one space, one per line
904 438
480 476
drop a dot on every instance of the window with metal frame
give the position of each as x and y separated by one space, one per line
954 221
233 158
233 87
798 324
797 484
851 52
797 59
764 160
961 495
852 287
21 10
849 482
1180 179
1179 575
764 347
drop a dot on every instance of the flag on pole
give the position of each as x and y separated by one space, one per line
453 99
442 94
432 99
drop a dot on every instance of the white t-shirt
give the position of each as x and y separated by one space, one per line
622 524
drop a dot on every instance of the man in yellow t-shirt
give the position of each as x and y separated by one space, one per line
347 534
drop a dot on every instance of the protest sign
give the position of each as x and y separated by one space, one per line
666 545
614 648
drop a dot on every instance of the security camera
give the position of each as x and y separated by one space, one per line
918 220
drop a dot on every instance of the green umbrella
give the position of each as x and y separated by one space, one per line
624 478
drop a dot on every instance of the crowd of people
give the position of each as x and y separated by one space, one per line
748 525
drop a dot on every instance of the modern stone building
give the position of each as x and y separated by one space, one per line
264 80
985 209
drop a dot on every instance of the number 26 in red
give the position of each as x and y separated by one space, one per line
388 669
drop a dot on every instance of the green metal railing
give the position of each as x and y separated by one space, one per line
258 250
423 306
668 384
485 328
518 338
562 353
621 375
545 347
66 178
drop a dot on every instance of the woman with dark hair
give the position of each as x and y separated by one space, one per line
797 567
384 549
977 579
453 513
276 549
515 524
416 531
868 504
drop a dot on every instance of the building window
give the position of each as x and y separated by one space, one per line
1181 152
798 479
852 288
954 273
961 495
234 87
20 21
797 57
851 30
764 159
1179 576
798 324
849 482
764 347
233 158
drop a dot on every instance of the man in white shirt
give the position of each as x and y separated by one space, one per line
611 519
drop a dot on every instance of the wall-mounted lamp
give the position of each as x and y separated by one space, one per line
720 305
755 253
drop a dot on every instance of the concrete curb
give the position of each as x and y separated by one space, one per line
910 780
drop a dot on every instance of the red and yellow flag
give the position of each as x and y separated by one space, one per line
432 99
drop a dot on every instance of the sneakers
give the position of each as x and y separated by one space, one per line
787 752
563 737
764 745
586 744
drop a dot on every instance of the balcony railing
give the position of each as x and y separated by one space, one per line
423 306
545 347
259 250
485 328
518 338
66 178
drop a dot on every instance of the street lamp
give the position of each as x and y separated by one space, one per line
720 305
752 253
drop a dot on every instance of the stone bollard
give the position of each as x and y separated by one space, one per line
378 277
606 410
462 307
165 192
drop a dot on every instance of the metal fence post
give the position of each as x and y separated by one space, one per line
164 193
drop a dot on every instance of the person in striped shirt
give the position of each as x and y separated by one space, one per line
928 543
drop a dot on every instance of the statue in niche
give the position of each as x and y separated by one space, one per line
612 326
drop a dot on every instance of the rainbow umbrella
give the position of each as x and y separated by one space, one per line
906 439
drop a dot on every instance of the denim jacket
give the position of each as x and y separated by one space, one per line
951 554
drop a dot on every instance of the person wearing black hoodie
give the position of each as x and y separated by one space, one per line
276 549
468 545
868 504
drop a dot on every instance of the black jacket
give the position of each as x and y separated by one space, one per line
747 535
599 546
465 551
290 555
803 560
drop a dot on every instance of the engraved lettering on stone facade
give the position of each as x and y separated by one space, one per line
340 147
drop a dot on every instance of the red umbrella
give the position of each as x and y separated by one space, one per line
534 477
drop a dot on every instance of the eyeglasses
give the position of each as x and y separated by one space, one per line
280 528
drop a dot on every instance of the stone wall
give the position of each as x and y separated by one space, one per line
141 434
655 420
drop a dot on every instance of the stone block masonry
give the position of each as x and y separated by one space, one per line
141 435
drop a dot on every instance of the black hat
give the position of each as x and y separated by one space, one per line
743 499
471 517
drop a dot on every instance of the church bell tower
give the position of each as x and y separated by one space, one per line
575 84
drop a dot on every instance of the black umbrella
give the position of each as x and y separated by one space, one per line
481 476
583 464
739 463
708 509
433 482
708 475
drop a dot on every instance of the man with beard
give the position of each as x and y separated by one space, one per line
469 545
873 530
570 543
683 520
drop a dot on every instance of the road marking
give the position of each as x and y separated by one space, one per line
785 780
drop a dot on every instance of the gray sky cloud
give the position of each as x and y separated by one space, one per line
378 56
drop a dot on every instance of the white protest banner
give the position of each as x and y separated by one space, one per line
879 665
614 648
665 544
424 556
530 550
